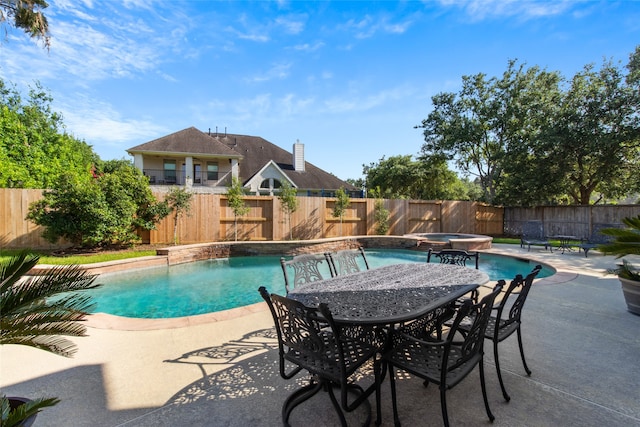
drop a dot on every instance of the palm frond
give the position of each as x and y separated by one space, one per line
38 310
14 417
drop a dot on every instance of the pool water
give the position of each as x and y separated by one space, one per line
220 284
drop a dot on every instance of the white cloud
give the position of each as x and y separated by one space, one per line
306 47
523 9
369 26
354 102
276 72
292 25
100 125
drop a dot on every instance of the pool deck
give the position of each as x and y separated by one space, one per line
221 370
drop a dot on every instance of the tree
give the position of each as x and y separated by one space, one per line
235 196
104 208
596 134
427 178
396 177
380 213
288 203
476 127
179 201
34 150
531 137
26 15
342 203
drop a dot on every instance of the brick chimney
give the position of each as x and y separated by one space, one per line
298 156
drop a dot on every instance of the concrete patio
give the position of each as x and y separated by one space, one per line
581 344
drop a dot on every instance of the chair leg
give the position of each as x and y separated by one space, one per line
336 405
394 402
524 362
443 404
297 398
497 360
377 370
484 392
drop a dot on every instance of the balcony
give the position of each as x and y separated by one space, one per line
170 177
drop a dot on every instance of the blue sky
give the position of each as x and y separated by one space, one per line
350 80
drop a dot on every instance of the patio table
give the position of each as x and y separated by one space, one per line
566 241
390 294
380 298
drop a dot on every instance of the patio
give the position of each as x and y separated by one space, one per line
579 341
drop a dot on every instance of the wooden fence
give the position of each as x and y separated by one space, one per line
211 219
568 220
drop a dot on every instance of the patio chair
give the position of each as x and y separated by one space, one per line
348 261
454 256
533 234
309 339
507 320
445 362
306 268
597 238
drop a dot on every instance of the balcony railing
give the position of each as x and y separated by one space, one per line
170 177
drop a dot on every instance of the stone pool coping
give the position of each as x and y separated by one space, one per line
467 241
190 253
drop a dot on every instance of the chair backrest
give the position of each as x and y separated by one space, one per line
307 337
472 344
306 268
533 230
348 261
523 285
600 238
454 256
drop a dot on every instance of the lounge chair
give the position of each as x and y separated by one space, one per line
597 238
533 234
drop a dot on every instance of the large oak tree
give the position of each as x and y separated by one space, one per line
533 137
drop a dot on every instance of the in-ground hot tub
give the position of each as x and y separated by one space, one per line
455 240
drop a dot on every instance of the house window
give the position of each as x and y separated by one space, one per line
212 171
170 171
270 183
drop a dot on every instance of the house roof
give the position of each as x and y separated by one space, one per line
186 141
254 153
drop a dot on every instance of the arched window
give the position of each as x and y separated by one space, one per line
265 184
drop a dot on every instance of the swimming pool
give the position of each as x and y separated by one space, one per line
221 284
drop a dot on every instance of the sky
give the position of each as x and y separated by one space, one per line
349 80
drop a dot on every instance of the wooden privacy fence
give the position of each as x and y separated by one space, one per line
576 221
211 219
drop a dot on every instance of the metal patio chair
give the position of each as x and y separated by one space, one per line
533 234
508 319
348 261
597 238
306 268
445 362
309 339
454 257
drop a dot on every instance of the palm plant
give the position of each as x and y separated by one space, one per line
626 242
38 311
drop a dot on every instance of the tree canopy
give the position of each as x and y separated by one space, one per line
102 209
402 177
534 137
26 15
34 149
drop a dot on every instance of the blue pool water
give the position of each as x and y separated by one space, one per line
221 284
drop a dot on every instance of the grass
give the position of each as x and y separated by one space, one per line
46 258
507 240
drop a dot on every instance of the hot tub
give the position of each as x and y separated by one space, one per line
469 242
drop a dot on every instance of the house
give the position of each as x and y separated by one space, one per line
207 162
